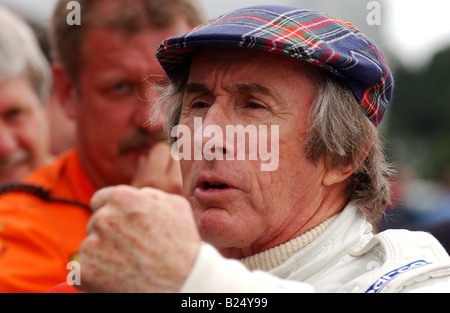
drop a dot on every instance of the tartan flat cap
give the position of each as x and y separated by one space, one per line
327 42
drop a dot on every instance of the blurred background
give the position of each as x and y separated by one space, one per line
415 37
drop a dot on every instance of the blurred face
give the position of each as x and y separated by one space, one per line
112 103
238 207
23 130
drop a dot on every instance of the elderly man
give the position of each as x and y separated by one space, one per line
101 71
25 80
302 226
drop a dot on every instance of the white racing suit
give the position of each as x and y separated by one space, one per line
346 257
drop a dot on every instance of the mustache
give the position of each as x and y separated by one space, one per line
11 160
141 139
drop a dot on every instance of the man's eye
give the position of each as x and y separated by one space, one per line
13 113
199 105
121 86
255 105
119 89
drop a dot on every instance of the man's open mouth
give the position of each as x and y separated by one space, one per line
210 189
212 185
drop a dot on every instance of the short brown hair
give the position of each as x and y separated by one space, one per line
127 16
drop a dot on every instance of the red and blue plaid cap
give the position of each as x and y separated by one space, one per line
327 42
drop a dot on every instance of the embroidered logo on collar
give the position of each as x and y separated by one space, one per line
386 278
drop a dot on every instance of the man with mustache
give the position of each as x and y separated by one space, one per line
305 226
102 70
25 79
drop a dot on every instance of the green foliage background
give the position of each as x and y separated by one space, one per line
417 126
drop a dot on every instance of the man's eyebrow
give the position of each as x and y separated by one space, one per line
196 88
253 88
244 88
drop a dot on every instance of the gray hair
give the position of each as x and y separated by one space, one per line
20 54
337 129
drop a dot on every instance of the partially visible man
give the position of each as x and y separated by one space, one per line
102 70
304 226
25 79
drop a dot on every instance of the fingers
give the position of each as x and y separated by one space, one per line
118 200
174 178
136 239
100 198
159 170
159 160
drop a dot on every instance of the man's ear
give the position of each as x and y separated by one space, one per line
334 175
65 89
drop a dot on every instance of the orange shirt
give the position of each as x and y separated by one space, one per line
40 236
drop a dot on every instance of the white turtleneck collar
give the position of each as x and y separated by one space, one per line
275 256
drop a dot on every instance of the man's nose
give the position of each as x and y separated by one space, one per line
210 134
8 140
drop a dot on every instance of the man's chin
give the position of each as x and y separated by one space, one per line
216 227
